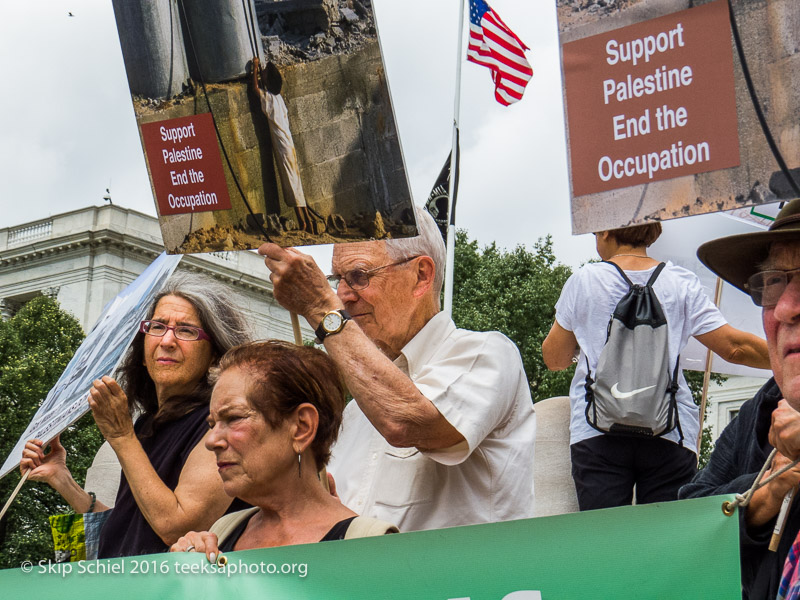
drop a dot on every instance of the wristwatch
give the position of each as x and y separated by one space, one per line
332 322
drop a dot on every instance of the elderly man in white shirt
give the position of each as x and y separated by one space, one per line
441 432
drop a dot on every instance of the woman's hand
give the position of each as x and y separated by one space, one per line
44 467
202 541
52 469
109 406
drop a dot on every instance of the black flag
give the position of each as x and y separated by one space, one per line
436 204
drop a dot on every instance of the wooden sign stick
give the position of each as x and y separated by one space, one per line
298 337
14 493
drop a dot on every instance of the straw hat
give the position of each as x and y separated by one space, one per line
736 257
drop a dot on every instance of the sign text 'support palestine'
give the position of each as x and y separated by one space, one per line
651 101
185 165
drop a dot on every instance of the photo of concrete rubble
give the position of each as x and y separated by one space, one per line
770 35
301 112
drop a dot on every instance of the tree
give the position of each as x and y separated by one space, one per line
35 347
695 381
515 293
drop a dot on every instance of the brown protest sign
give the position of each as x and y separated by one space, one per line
660 124
652 101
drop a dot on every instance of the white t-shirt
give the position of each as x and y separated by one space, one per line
477 382
585 307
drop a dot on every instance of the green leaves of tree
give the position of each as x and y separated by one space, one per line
514 292
35 347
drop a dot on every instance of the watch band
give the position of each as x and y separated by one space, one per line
322 332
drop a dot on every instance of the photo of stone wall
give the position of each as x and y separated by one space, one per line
770 35
308 146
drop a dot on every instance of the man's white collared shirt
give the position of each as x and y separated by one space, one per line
476 380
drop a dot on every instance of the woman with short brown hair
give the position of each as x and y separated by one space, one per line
276 409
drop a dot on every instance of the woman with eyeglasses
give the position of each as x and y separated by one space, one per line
606 467
155 420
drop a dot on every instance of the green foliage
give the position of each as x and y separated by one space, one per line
695 381
514 292
35 347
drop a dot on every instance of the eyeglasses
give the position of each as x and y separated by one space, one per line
358 279
187 333
766 287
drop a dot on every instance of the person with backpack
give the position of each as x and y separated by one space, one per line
624 322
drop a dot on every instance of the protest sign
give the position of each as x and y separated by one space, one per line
660 123
687 549
98 355
288 136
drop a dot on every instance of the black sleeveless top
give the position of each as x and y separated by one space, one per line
337 532
126 531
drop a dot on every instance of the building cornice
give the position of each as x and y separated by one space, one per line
148 246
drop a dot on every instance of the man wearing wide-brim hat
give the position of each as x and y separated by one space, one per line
764 265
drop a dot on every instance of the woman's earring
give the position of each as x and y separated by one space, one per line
299 466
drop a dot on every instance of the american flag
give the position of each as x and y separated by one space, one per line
493 45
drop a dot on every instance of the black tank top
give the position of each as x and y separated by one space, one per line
337 532
126 532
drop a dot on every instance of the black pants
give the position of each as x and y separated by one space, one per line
605 469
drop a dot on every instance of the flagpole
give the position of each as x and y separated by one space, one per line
451 227
707 373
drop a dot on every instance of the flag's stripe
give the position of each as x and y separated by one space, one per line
492 61
511 86
496 18
514 56
511 62
514 61
502 36
517 93
504 98
497 59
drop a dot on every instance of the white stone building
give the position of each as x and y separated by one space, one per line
84 258
725 400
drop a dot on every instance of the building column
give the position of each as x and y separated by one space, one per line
8 309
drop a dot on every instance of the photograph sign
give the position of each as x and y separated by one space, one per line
264 121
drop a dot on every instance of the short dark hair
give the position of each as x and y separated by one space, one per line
219 317
284 376
638 235
271 79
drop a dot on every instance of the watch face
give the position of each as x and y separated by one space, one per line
331 322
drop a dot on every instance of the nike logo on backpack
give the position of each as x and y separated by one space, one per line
623 395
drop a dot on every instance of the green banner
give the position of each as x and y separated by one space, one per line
687 549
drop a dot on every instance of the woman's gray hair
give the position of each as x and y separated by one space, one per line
429 242
220 318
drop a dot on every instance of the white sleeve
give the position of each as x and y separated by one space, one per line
702 315
565 307
475 388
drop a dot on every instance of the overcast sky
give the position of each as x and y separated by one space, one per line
69 130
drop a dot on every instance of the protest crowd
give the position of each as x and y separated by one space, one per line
441 428
397 420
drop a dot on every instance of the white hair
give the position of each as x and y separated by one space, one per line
429 242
